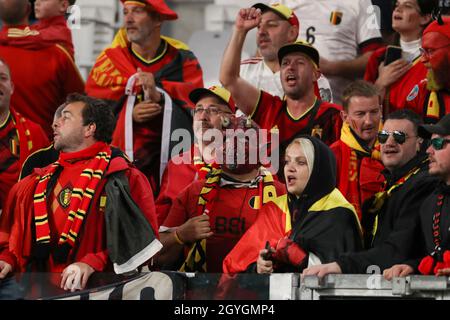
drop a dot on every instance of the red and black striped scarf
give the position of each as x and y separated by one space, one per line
82 194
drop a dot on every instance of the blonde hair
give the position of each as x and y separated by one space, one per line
308 149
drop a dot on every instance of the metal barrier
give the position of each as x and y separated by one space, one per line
169 285
373 287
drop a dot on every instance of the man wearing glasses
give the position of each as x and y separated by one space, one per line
390 218
433 95
213 107
434 211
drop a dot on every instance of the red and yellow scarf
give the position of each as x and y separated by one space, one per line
349 180
82 194
196 258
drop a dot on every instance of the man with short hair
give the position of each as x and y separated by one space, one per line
357 152
213 107
301 112
345 32
42 76
431 97
90 211
435 223
149 77
19 137
279 26
390 218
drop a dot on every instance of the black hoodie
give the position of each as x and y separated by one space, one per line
325 223
331 228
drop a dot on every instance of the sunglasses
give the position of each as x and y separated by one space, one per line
439 143
399 136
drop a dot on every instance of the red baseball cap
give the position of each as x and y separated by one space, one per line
158 6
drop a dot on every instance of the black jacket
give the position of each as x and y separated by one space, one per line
398 221
427 210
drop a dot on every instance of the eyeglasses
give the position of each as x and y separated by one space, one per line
210 111
399 136
439 143
429 52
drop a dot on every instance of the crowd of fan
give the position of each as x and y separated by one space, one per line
88 183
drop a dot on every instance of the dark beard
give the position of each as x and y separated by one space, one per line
440 78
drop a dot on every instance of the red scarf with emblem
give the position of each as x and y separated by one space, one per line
82 194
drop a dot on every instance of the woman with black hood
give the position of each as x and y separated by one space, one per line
312 224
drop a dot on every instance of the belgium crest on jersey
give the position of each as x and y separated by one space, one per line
336 17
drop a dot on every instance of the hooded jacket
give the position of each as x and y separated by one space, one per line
325 223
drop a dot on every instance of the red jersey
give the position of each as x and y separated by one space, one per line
401 91
19 138
176 71
44 33
433 104
358 170
42 80
272 113
233 212
176 177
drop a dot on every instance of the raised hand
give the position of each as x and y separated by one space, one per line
247 19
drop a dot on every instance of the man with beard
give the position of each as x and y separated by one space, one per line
433 94
301 112
150 77
390 218
213 107
209 216
357 152
90 211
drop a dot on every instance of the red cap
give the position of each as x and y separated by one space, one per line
443 29
158 6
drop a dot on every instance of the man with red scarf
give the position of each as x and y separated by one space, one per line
209 216
357 152
89 211
433 93
43 75
19 137
213 106
150 77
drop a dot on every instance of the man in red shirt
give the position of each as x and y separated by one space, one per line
301 112
357 152
19 137
43 76
90 211
209 216
212 106
432 95
149 77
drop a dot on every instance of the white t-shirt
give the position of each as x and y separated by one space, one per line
256 72
337 28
